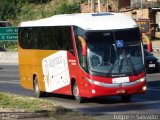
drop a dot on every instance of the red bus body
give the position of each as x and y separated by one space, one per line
68 72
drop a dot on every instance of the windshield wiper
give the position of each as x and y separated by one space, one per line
111 69
120 61
132 65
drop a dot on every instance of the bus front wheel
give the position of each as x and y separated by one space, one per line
37 91
76 95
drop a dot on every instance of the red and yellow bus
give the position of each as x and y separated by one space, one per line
85 55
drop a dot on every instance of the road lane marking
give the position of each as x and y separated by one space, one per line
152 89
155 87
10 82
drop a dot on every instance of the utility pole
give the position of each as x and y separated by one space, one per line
117 5
131 4
99 6
142 8
107 5
91 6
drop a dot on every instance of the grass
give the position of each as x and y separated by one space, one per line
27 104
10 46
14 103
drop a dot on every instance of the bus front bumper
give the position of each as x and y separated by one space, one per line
98 89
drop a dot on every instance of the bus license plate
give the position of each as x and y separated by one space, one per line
120 80
151 65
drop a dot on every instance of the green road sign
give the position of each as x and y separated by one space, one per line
8 34
8 37
8 30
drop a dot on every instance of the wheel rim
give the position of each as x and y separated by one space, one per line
36 88
76 91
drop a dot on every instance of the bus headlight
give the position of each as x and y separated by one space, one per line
144 88
94 82
142 79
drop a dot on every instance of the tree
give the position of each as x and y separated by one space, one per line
34 1
7 9
158 3
66 8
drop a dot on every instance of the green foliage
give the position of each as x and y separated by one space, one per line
25 10
84 1
9 45
45 109
7 9
26 103
17 11
67 8
158 3
28 13
33 1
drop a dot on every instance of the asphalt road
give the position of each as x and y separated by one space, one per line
104 108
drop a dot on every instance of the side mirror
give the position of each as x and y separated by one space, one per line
84 46
84 51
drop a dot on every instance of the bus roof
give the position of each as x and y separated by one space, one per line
87 21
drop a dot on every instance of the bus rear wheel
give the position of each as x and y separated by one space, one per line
126 98
37 91
76 95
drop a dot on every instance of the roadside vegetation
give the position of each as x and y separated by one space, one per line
10 46
26 104
16 11
14 103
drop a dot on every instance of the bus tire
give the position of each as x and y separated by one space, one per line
126 98
76 95
37 91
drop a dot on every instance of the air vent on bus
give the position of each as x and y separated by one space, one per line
101 14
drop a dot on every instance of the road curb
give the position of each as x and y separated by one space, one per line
8 58
23 115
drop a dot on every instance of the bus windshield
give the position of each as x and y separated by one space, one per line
114 53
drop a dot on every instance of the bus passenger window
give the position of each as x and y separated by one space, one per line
67 39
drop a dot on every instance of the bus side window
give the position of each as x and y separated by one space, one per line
46 38
40 38
79 50
57 38
67 39
26 38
